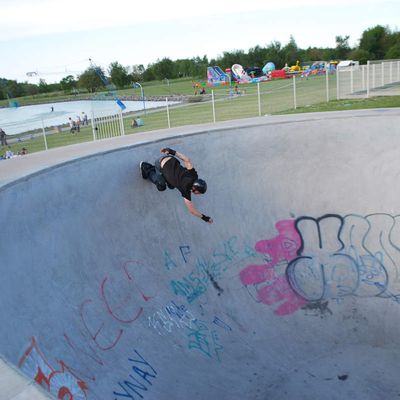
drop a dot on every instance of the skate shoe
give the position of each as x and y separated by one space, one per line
144 169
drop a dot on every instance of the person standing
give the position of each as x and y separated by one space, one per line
3 138
72 125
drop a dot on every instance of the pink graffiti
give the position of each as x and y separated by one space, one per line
273 287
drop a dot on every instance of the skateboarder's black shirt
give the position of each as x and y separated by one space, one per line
179 177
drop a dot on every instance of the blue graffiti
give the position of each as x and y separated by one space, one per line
138 380
206 271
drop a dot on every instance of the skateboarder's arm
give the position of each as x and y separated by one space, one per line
183 157
193 210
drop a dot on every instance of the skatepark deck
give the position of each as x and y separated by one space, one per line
112 290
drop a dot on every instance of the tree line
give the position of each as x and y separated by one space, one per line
376 43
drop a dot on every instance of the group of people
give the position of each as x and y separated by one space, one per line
10 154
196 88
75 125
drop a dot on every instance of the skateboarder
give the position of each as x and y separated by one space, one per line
168 171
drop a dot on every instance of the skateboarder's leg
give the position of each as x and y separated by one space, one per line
149 172
157 166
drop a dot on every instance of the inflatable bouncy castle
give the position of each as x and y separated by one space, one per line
215 76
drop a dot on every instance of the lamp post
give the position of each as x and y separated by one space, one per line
135 85
169 87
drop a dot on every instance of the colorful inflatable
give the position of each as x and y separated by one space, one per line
215 76
268 67
239 74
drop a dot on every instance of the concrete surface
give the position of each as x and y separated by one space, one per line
112 290
15 386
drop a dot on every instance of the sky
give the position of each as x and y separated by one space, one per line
56 38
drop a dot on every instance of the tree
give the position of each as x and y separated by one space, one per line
183 68
230 58
198 67
148 74
394 49
291 52
163 69
256 56
90 80
376 41
360 55
314 54
137 72
119 75
342 47
68 84
275 54
393 52
31 89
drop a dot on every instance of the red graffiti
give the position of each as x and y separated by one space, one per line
105 318
63 383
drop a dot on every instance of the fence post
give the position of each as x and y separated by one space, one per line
294 92
121 122
259 99
368 67
373 76
327 83
383 74
93 123
337 84
169 121
44 136
363 76
391 71
398 71
213 105
351 80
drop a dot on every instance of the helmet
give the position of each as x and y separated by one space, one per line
200 185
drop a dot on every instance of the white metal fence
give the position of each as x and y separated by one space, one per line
224 103
380 77
107 126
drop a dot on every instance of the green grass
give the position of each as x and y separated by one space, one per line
355 104
276 97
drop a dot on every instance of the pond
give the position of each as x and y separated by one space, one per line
27 118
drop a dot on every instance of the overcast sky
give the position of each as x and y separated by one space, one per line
57 37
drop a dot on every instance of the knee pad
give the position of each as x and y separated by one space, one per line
161 185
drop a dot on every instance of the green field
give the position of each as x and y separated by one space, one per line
273 97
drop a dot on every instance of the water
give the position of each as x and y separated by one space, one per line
27 118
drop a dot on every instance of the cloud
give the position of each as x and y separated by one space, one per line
27 18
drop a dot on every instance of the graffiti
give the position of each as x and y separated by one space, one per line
185 251
207 271
139 380
169 263
271 284
327 258
342 256
171 316
104 319
63 383
205 340
200 336
221 324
